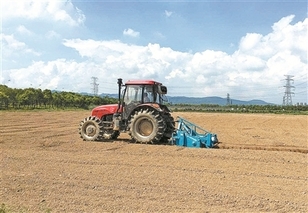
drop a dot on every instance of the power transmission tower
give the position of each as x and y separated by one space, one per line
287 98
94 86
228 99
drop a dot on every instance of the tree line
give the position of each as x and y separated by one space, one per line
293 109
31 98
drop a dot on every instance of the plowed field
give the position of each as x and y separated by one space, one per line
260 166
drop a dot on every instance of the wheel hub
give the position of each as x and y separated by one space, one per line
145 127
90 130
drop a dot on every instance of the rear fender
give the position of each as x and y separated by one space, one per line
165 108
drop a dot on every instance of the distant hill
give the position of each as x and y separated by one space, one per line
213 100
203 100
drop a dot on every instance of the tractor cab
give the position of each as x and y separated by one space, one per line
141 93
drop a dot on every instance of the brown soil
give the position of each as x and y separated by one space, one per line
261 166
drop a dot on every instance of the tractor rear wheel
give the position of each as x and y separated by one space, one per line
170 127
91 129
147 126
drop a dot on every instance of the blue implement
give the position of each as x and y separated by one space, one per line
190 135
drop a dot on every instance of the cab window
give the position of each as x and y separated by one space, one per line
133 94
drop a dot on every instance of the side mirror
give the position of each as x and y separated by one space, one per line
162 90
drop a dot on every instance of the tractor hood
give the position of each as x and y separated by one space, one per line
102 110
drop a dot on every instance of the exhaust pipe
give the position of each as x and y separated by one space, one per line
119 93
116 116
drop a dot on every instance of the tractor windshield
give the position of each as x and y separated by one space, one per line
142 94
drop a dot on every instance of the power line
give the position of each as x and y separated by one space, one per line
301 83
304 91
304 76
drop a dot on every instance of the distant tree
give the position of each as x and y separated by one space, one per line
47 97
4 100
27 97
39 97
57 99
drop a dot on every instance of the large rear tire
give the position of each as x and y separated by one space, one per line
170 128
147 126
91 129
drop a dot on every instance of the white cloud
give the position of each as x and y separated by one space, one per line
58 11
52 35
285 36
13 47
201 79
283 23
99 49
261 60
285 62
249 41
159 35
255 70
245 62
168 13
11 42
60 74
130 32
23 30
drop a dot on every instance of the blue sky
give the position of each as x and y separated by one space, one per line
196 48
201 24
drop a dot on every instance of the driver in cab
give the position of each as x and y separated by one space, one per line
146 98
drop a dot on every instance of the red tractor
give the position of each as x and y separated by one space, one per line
140 112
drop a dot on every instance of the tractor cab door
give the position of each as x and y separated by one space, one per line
132 98
136 95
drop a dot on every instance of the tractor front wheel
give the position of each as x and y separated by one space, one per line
147 126
91 129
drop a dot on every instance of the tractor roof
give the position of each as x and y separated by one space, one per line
141 82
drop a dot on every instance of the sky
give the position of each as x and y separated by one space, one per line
195 48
